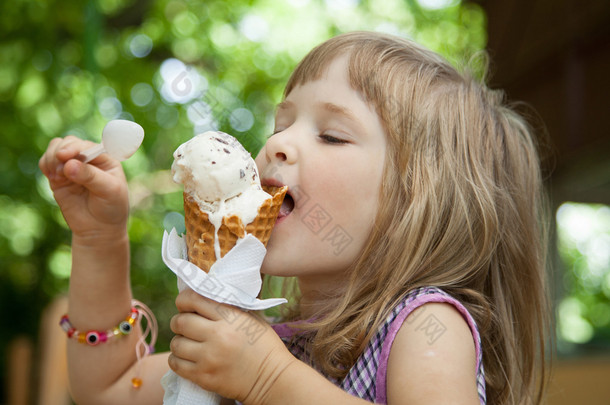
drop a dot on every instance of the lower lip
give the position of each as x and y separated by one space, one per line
282 218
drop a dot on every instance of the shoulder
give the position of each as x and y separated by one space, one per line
433 358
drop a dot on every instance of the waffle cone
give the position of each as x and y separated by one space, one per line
200 232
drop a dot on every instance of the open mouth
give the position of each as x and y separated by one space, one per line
287 206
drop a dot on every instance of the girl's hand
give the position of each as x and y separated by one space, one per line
93 197
224 349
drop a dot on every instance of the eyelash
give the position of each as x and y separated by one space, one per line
329 139
332 140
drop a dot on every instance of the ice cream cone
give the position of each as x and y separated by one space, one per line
200 233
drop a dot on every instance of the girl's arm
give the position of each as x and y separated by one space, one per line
233 353
94 202
427 366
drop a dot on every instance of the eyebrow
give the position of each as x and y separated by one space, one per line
337 109
330 107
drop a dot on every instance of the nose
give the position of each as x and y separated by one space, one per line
281 148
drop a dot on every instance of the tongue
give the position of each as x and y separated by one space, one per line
287 206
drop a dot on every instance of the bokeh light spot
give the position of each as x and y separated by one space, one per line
174 220
254 28
140 45
60 262
141 94
241 119
437 4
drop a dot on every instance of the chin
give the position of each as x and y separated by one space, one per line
277 264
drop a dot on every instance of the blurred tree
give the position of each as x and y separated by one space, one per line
177 67
583 241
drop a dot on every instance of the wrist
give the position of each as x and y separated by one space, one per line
298 383
273 380
100 255
101 239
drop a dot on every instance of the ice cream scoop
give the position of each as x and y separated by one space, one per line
215 167
120 139
223 197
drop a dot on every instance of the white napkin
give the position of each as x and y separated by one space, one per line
234 279
180 391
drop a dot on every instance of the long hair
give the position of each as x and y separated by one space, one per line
461 207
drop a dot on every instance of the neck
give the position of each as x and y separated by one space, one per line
316 295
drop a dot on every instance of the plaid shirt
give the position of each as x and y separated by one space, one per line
367 377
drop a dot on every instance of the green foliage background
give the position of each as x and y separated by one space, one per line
68 67
583 314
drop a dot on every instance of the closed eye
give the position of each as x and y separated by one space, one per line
331 139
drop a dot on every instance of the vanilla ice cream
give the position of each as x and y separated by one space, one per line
221 176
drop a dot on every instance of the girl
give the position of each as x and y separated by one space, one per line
413 229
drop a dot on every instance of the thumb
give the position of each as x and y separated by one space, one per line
91 177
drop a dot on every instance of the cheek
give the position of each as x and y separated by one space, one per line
329 230
349 195
350 188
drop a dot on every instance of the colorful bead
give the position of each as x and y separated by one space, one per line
125 327
93 338
64 323
81 338
136 382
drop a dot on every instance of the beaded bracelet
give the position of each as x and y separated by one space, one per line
94 337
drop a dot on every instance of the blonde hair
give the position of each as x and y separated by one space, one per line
460 208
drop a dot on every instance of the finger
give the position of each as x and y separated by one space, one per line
71 147
185 348
58 152
190 301
97 181
48 162
182 367
191 325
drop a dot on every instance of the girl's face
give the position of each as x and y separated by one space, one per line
328 147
